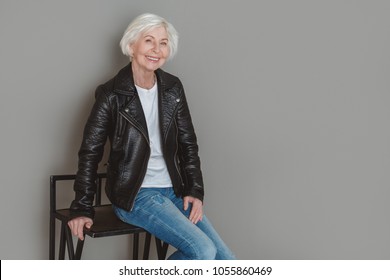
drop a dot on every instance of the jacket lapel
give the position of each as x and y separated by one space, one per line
168 103
134 113
132 110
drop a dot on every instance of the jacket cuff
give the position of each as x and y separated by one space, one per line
195 192
77 211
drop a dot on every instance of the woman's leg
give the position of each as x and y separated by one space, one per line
155 212
223 252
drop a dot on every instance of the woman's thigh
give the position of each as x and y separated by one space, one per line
158 214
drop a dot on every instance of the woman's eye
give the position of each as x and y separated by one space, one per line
164 43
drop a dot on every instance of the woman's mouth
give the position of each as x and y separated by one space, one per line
154 59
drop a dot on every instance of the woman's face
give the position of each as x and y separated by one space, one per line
151 50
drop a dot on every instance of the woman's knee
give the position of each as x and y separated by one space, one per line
204 250
208 252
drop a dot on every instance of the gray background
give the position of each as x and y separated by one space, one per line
290 100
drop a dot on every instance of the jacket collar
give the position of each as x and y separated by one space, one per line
124 82
132 110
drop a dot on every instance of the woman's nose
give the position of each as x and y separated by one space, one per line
156 48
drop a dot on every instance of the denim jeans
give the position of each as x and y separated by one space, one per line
161 213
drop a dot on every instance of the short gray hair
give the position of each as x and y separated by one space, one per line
143 23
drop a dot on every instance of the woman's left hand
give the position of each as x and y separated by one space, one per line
196 214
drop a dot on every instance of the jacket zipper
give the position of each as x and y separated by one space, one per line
147 140
177 147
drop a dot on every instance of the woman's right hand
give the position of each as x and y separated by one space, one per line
77 226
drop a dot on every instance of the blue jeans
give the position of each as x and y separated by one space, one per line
161 213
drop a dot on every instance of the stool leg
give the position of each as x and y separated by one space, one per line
148 238
61 255
69 243
79 249
165 250
52 241
162 248
135 246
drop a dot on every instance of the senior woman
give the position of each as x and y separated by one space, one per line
154 178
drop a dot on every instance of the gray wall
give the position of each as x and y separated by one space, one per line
290 100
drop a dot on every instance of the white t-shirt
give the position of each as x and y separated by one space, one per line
157 175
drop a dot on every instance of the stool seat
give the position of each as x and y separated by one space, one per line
105 222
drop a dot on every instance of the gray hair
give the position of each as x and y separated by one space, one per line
143 23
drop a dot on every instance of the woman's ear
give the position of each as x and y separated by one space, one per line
130 48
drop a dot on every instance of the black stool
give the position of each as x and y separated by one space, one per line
105 224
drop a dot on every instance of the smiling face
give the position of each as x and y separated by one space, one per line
151 50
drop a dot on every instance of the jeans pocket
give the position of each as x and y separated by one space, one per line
158 199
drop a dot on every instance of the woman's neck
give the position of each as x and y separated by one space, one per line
143 79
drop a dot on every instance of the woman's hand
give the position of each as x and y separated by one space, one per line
77 226
196 214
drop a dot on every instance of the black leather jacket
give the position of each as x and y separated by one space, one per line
117 115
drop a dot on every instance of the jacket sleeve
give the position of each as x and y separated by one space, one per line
90 154
188 148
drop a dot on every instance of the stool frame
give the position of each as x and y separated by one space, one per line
105 224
